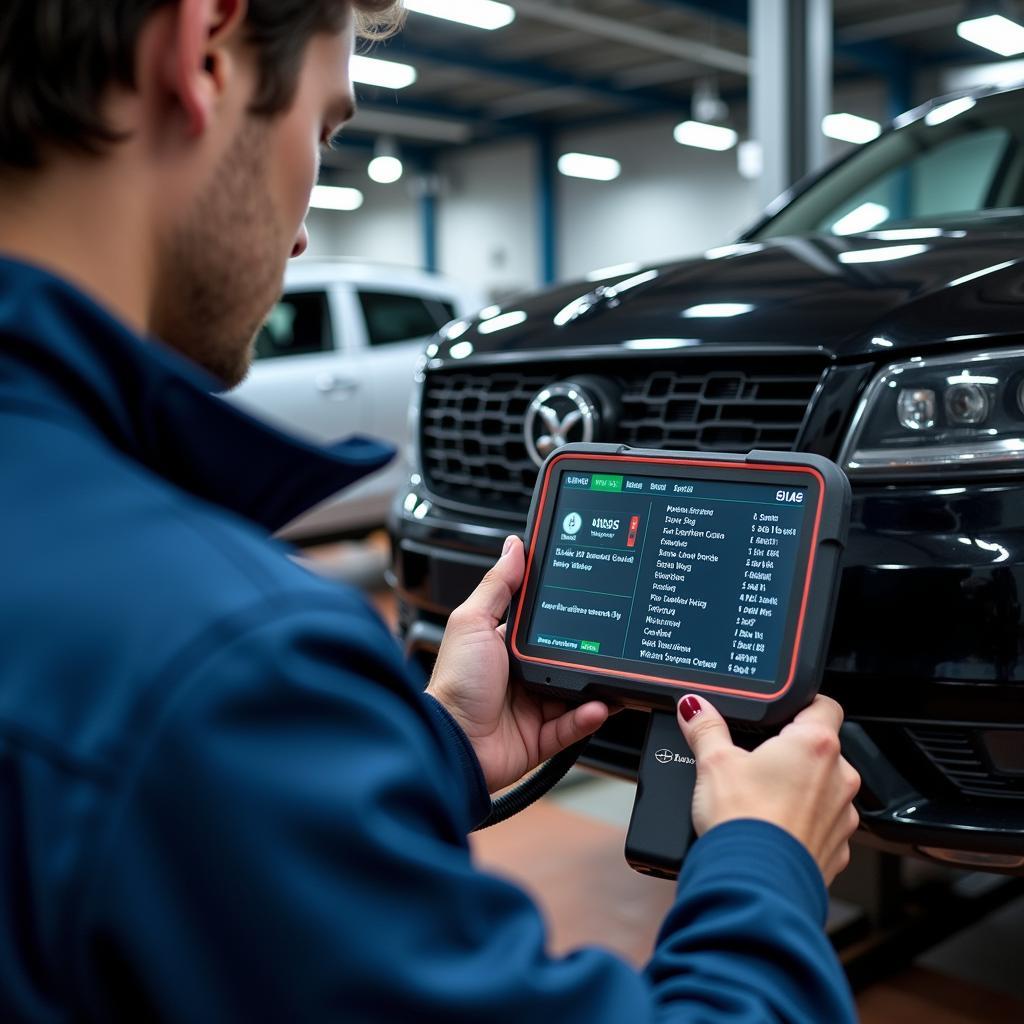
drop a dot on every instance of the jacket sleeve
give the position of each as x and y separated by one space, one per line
291 846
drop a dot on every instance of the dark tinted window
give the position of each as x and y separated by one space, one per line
960 162
392 318
298 325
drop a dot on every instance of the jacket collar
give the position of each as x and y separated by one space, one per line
158 408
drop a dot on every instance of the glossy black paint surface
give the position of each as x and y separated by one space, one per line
801 294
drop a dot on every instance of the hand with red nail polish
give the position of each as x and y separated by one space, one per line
797 780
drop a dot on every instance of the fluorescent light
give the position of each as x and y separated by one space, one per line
461 350
618 270
995 33
385 170
489 312
863 218
722 252
452 332
892 252
705 136
949 110
913 234
717 309
850 128
485 14
330 197
575 308
500 323
388 74
584 165
980 273
631 282
659 344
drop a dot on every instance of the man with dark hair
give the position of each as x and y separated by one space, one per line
222 798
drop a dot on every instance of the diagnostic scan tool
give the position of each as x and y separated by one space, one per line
651 574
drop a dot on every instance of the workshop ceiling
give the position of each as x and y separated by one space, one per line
563 63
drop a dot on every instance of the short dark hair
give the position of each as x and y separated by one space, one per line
58 58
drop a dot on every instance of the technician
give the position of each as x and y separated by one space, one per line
222 798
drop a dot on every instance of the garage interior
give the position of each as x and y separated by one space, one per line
481 126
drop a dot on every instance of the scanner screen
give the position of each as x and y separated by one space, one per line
670 576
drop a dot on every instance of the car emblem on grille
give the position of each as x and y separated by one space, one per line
559 414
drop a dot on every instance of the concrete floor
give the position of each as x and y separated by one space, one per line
568 847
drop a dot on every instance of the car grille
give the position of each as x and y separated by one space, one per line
474 453
959 755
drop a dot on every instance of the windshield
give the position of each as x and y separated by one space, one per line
962 162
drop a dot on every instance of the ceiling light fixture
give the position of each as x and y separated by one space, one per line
893 252
585 165
485 14
705 136
994 32
713 310
386 166
331 197
947 111
388 74
850 128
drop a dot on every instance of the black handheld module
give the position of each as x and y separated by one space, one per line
650 574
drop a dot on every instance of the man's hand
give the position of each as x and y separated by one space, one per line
797 780
512 730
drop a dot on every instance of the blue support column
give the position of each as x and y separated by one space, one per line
901 89
426 167
547 206
428 219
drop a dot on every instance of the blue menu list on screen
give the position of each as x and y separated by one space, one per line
687 575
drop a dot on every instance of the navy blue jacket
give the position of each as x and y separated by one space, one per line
223 798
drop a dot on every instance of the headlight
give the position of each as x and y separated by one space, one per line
933 415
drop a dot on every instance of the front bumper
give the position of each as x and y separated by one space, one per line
927 656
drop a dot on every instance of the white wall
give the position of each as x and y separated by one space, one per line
487 225
670 201
386 229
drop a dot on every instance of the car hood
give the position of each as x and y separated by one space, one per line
844 297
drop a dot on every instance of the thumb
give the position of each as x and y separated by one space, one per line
702 726
492 596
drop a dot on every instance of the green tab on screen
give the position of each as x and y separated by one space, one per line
590 646
605 482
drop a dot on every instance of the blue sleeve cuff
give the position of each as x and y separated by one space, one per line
478 798
762 854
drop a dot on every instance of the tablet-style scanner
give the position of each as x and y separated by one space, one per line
651 574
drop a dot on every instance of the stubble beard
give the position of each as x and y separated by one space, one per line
222 268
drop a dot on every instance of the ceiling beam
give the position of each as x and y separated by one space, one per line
620 30
875 55
900 24
529 73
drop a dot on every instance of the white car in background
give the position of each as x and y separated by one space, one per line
337 356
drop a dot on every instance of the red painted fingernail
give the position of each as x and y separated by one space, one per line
689 708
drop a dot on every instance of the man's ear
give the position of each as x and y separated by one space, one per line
200 61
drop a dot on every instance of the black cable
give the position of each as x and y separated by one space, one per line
531 789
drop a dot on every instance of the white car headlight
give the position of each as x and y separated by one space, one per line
930 415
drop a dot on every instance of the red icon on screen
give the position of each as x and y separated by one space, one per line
634 525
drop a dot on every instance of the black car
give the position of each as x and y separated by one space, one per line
874 316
